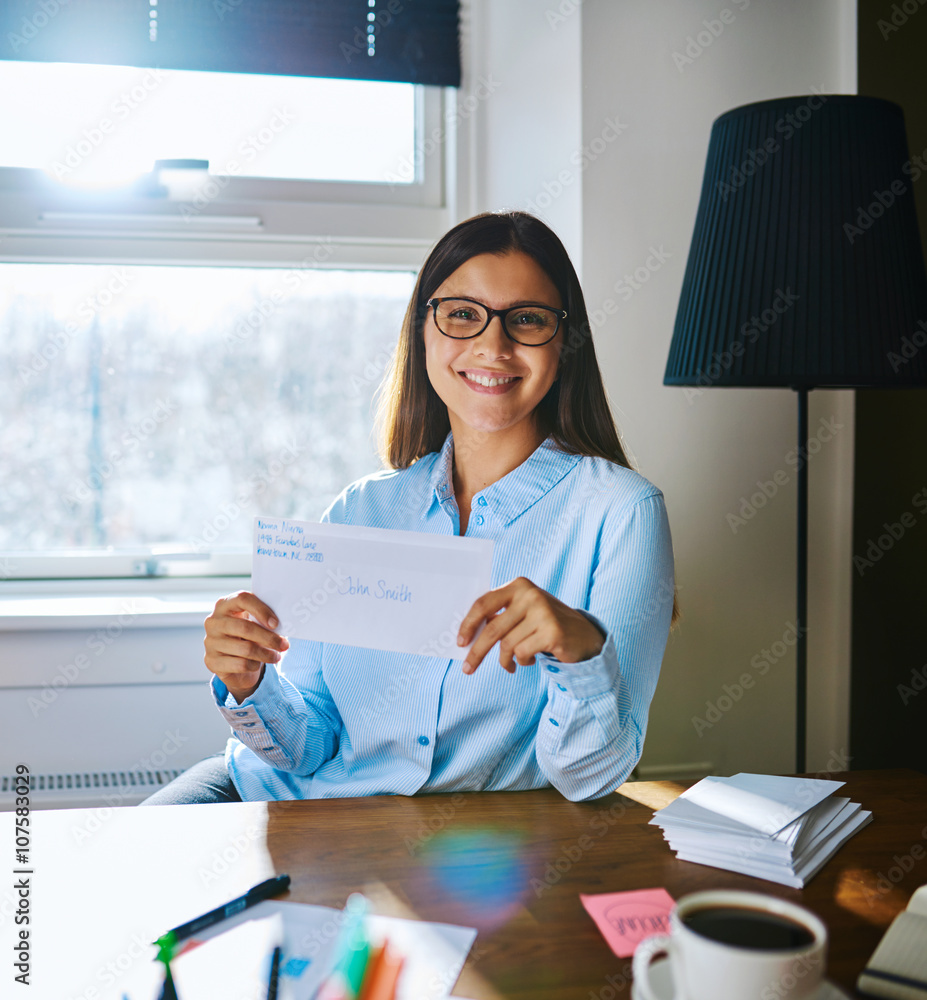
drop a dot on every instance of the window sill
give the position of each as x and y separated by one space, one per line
38 606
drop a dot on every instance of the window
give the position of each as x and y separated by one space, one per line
177 363
109 124
359 164
164 407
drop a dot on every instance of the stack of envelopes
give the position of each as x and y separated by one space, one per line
781 829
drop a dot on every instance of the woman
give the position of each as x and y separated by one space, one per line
495 425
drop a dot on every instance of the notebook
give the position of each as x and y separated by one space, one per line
898 967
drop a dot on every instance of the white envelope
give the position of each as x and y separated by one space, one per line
403 591
765 802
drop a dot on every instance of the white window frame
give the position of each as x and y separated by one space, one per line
253 222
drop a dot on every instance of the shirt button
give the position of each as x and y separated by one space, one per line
248 725
554 722
562 688
241 713
424 740
478 519
553 669
481 501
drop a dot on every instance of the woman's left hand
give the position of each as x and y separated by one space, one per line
533 622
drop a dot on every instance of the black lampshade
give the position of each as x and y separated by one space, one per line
806 266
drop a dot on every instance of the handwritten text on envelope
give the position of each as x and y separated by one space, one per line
404 591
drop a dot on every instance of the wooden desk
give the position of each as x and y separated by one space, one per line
107 882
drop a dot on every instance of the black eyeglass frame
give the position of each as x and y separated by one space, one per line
561 315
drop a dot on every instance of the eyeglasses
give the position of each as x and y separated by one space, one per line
463 319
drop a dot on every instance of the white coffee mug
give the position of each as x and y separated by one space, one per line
707 969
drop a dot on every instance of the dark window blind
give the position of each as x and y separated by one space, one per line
410 41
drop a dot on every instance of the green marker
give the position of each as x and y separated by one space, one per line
354 946
165 954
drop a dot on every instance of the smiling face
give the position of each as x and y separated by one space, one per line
459 370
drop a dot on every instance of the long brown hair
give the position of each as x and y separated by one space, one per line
574 412
575 409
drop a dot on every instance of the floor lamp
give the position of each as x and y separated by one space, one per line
805 270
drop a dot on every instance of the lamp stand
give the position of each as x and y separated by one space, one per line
801 588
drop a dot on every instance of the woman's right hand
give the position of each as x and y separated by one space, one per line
236 647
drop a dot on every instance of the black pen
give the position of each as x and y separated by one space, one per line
274 974
272 887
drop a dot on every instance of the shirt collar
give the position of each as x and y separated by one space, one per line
441 481
514 493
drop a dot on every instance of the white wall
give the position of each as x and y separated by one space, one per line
531 127
600 76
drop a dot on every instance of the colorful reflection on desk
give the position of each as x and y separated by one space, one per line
481 872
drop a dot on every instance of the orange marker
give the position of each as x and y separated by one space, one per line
382 975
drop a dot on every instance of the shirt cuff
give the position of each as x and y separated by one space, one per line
588 678
247 718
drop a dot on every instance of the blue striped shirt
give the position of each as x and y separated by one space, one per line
336 721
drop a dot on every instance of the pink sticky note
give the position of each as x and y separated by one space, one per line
626 918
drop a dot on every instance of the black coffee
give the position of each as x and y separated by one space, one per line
746 928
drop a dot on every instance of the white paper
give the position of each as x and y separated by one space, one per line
778 828
821 854
826 823
918 902
688 827
762 863
766 802
403 591
233 963
433 953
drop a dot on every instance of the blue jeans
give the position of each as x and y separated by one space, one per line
208 781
